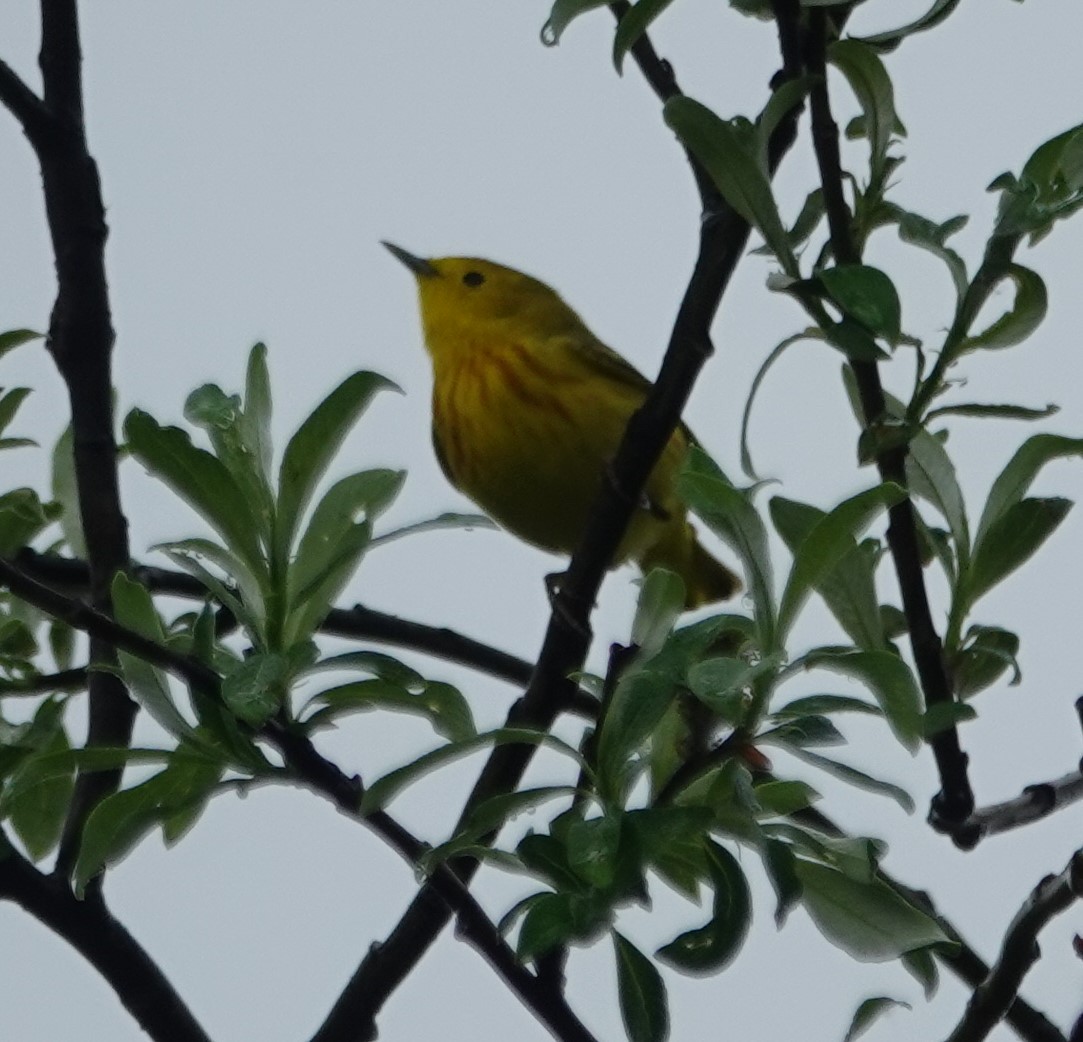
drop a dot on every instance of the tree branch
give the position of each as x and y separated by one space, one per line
306 764
89 927
80 341
357 623
955 801
27 108
1020 951
1027 1022
723 236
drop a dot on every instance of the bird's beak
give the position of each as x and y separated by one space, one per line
418 265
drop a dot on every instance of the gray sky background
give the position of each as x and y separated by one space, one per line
252 156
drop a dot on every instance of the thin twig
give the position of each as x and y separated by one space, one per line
65 680
955 801
358 623
306 764
1019 952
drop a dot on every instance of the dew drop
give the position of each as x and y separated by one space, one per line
549 35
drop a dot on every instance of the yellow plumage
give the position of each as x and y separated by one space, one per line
528 408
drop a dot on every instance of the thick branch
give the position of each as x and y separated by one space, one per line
722 241
955 800
80 341
1020 951
89 927
322 776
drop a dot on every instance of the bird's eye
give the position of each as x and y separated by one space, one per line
473 278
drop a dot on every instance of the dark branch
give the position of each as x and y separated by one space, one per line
23 103
89 927
358 623
1033 803
1019 952
955 801
65 680
723 236
1027 1022
306 764
81 342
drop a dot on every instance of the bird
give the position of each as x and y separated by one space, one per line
528 408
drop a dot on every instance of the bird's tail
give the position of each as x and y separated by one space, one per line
706 580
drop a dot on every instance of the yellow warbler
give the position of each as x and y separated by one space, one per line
528 407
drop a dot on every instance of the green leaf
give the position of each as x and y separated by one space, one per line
9 406
729 513
867 296
872 86
14 338
782 798
928 235
66 492
891 38
257 688
222 418
643 1004
943 716
134 609
39 795
987 653
632 25
441 704
385 789
869 1012
22 517
200 479
831 539
713 947
776 353
256 419
1011 540
250 608
117 824
449 519
854 340
725 154
824 704
1019 321
488 817
313 446
592 845
671 839
660 604
364 495
562 13
854 777
781 865
980 410
639 702
848 587
803 732
921 965
889 679
931 475
555 919
868 920
1016 478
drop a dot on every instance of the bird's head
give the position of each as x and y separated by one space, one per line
467 299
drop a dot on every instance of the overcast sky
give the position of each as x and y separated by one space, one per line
252 155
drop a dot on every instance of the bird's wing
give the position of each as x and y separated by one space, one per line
596 357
